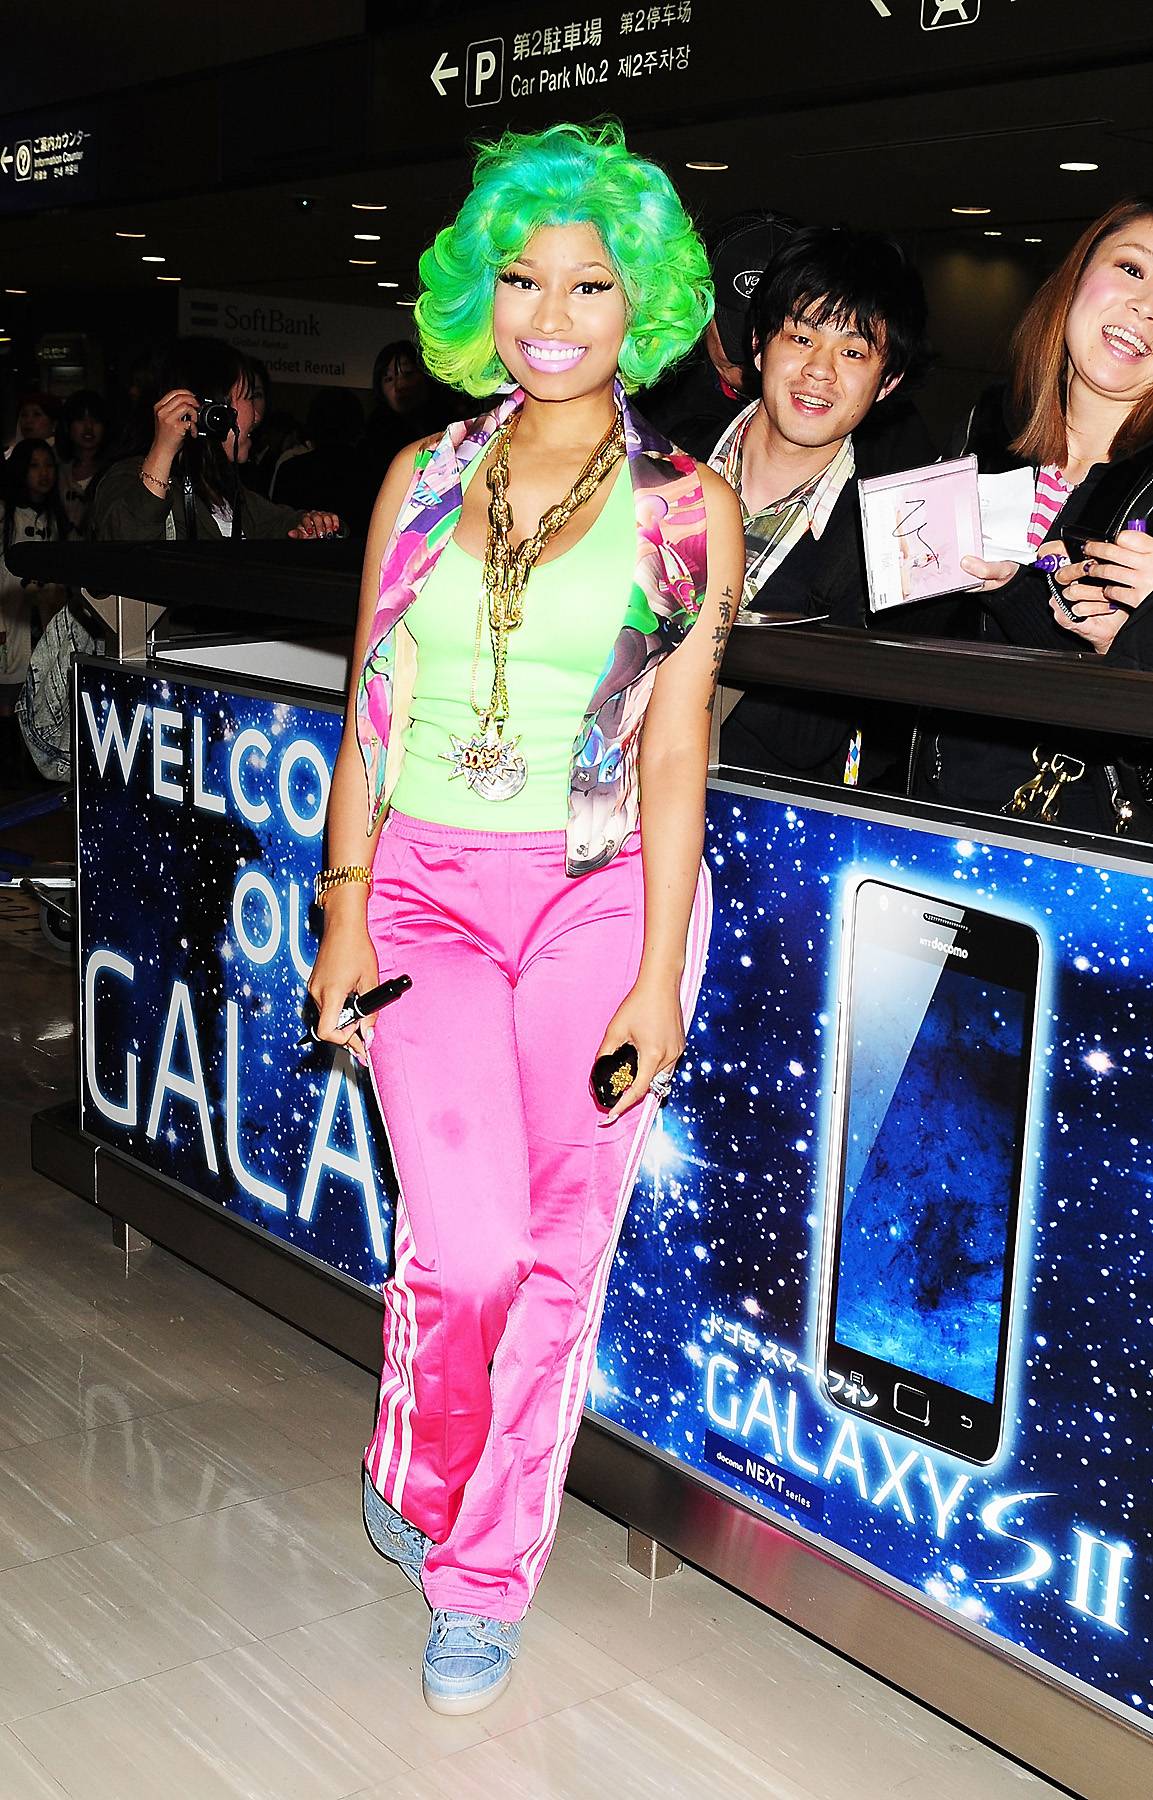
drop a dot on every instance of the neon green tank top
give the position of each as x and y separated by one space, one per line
572 615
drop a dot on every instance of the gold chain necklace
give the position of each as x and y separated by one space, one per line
489 761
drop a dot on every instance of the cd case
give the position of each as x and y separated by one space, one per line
917 526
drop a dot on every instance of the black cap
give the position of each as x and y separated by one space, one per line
739 250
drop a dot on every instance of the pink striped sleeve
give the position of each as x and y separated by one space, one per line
1051 494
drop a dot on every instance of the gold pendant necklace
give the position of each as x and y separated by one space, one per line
488 761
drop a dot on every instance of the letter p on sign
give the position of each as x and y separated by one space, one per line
484 72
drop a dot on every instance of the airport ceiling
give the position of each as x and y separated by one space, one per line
901 163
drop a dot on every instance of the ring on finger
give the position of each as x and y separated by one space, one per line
662 1084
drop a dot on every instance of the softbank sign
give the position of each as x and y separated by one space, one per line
300 340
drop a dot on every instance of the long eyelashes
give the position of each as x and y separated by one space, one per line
523 282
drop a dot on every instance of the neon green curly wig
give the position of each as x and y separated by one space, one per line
566 175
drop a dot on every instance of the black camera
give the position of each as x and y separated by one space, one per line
216 419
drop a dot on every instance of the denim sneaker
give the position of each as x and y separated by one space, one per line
468 1661
393 1536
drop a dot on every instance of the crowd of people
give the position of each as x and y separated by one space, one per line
813 384
803 381
192 450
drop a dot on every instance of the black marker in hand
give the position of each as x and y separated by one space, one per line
356 1006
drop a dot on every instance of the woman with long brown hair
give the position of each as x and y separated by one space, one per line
187 483
1080 413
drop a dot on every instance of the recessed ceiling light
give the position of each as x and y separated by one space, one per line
391 284
367 237
406 303
132 234
370 206
154 259
711 168
169 278
992 234
1034 240
15 290
975 211
1080 168
362 262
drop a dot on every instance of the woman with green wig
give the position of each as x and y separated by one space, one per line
547 593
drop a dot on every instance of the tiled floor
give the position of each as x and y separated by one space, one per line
189 1607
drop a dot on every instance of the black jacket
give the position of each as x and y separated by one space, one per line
125 511
781 731
973 763
778 730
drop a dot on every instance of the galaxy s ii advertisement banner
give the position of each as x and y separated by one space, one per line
200 812
887 1272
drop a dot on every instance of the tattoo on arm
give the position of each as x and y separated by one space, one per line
720 639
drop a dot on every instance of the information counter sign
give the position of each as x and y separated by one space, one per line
48 160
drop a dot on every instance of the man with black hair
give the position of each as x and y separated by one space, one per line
835 324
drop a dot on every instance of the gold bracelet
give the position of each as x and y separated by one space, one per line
331 878
155 481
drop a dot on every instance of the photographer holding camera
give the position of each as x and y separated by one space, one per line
187 484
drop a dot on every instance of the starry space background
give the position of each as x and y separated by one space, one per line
721 1249
157 885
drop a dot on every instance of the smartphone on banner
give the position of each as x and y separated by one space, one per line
936 1023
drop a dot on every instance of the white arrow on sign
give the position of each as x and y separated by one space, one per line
5 160
442 73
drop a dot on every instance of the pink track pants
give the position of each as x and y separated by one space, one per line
513 1191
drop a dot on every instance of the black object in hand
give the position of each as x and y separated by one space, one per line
1075 551
216 419
613 1075
356 1006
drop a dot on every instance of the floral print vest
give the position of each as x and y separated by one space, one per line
667 591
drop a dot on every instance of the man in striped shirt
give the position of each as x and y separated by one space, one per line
836 321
